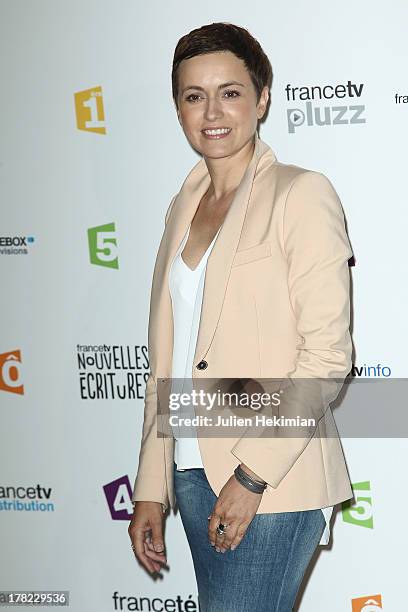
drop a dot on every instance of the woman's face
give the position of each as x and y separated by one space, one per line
216 91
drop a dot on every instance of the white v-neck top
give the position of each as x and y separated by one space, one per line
186 289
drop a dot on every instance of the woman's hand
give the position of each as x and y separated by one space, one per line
235 507
146 532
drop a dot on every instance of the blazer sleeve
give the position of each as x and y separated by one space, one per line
150 482
317 249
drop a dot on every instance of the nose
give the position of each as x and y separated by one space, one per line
213 108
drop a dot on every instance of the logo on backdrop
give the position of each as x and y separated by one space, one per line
26 499
11 378
103 248
400 99
315 113
118 494
15 245
90 114
370 603
112 371
361 512
177 603
365 370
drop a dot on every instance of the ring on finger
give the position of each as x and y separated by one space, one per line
221 529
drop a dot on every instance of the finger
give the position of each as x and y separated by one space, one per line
149 544
157 566
219 546
230 534
152 554
157 535
137 538
214 536
239 535
149 547
220 539
215 520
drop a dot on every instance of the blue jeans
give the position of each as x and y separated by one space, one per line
266 569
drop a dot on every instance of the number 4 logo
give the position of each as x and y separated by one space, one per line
103 249
118 494
361 512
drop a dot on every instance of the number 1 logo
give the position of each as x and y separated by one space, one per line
90 114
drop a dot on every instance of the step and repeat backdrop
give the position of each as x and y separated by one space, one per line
86 114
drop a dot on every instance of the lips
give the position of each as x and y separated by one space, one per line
216 133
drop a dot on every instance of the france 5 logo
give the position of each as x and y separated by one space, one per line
103 248
361 512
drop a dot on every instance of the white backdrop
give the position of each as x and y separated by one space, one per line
86 107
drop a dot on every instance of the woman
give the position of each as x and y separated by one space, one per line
251 280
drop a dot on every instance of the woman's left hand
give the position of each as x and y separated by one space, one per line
235 507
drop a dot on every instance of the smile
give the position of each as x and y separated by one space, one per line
216 133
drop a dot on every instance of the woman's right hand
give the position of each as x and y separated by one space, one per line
146 533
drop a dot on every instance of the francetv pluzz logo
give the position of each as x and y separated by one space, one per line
109 371
324 105
90 114
11 377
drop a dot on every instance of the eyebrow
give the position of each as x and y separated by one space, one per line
219 86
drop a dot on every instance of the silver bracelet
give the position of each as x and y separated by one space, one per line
249 483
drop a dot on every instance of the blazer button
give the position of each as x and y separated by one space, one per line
202 365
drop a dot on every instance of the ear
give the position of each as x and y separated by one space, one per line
178 115
263 102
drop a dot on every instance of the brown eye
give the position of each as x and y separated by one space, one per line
232 91
192 97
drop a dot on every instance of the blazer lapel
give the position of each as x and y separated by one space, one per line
222 254
218 264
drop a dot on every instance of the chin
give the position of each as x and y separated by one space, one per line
218 148
219 155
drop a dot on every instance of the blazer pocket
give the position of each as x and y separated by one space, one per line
259 251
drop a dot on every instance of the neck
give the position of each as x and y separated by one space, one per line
226 172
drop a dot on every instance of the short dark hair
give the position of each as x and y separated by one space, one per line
224 36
